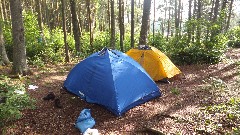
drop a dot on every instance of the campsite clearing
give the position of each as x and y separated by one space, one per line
179 110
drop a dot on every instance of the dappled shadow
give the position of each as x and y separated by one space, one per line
47 119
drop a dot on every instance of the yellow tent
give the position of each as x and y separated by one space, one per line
156 63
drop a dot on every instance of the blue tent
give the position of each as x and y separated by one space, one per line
112 79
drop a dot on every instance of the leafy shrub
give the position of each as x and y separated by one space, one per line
195 53
158 41
234 37
16 100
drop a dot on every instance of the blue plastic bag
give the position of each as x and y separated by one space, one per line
84 120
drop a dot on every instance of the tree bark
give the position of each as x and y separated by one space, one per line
89 24
189 19
229 15
168 23
39 12
67 57
109 16
176 15
3 54
198 18
19 48
154 17
121 24
215 10
132 23
112 25
145 24
4 10
1 11
75 24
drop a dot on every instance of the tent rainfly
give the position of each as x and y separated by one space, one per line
156 63
112 79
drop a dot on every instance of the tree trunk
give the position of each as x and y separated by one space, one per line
215 10
145 24
75 24
179 18
123 16
121 23
132 23
19 48
4 10
168 23
176 16
67 57
112 25
109 16
210 20
223 15
189 19
229 15
1 11
39 12
165 18
89 23
194 17
154 16
3 54
198 18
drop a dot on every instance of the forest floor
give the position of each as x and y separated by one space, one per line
180 109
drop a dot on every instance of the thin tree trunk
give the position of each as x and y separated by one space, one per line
194 17
168 23
154 16
165 18
176 16
89 24
19 48
229 15
39 12
145 24
132 23
3 54
1 11
224 14
4 10
210 20
109 16
215 10
123 16
75 24
67 57
112 25
121 25
198 18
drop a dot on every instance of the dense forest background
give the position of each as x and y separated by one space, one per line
42 40
193 31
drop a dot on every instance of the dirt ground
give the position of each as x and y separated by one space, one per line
159 114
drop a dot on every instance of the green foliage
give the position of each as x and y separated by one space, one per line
32 34
101 39
16 100
214 85
53 48
197 53
216 117
158 41
234 37
175 91
49 46
7 33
